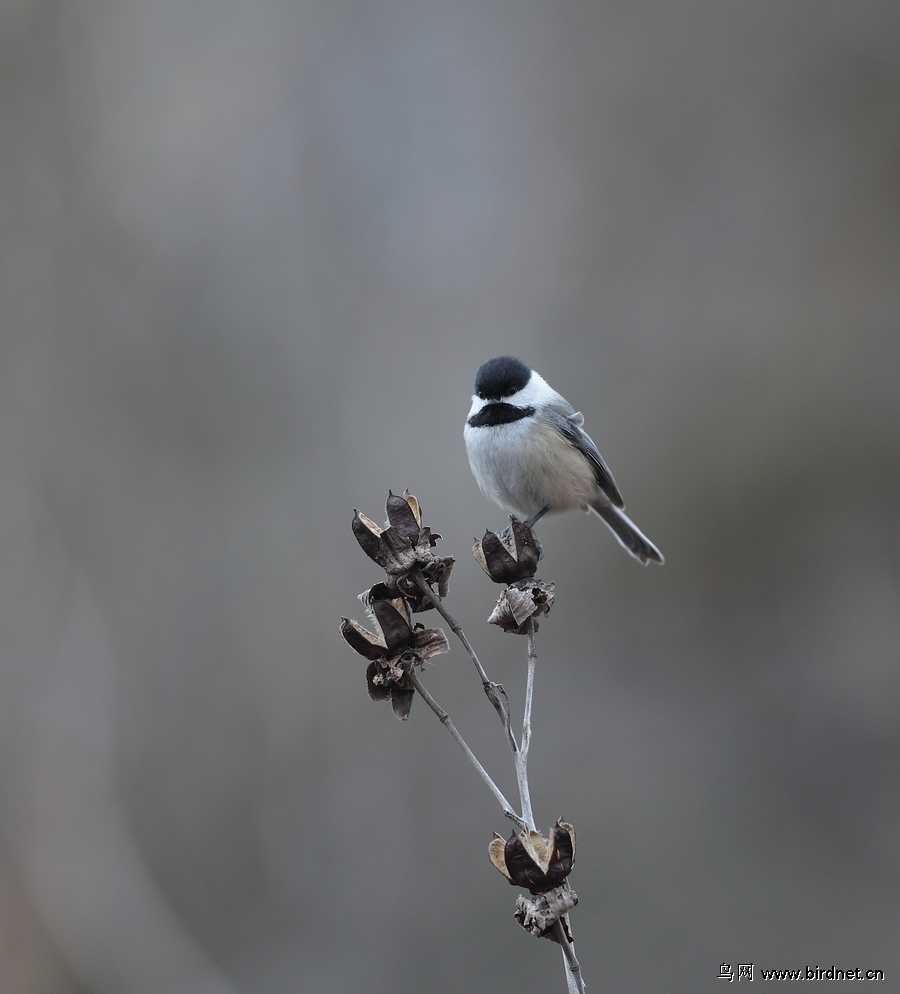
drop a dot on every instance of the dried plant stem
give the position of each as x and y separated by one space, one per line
574 979
521 753
422 585
529 688
447 722
403 549
494 691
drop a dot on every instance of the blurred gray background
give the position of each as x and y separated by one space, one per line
251 256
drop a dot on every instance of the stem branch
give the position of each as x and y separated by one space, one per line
521 754
574 979
493 691
497 696
447 722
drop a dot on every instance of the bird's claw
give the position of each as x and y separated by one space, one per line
508 539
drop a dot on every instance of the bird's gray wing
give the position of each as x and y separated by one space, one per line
569 426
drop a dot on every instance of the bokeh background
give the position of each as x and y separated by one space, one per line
251 256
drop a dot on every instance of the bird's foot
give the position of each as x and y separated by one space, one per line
508 539
535 518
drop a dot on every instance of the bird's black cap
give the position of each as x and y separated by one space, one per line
501 377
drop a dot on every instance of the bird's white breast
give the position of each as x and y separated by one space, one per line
526 465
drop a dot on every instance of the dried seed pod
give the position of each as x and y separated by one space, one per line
512 555
529 860
539 913
392 650
520 601
402 546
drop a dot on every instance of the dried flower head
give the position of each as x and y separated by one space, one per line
393 650
402 546
529 860
520 601
512 555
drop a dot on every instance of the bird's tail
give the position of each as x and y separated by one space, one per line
630 537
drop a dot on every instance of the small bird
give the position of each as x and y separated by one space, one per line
529 453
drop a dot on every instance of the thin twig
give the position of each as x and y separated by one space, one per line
574 979
529 688
500 702
494 691
422 585
447 722
521 754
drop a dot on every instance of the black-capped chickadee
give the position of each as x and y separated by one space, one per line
529 453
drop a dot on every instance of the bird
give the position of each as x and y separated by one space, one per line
530 454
